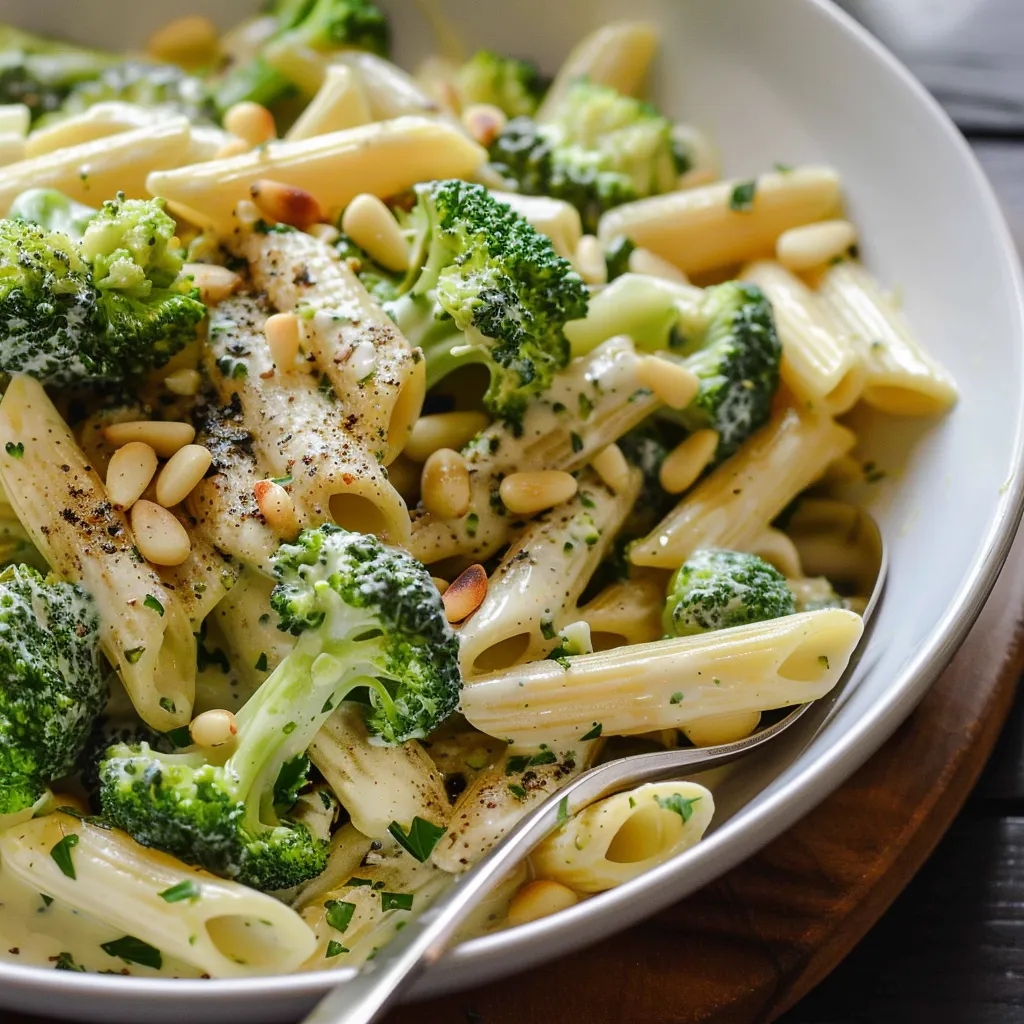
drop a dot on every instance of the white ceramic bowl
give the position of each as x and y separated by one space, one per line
791 81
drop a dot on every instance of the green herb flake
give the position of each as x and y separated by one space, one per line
679 804
180 737
133 655
16 451
354 882
47 900
334 948
396 901
544 757
134 951
261 662
339 914
823 660
187 890
586 500
594 733
577 441
66 962
61 853
783 168
288 728
472 523
154 604
632 802
516 763
676 697
282 481
421 838
742 198
563 811
517 791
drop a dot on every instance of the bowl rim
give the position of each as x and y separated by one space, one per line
507 952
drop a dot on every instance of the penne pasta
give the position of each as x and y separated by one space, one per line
706 228
731 505
340 103
555 218
96 122
668 684
628 611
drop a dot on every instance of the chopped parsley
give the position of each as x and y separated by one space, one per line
396 901
563 811
586 500
61 853
261 662
65 962
16 451
679 804
577 441
187 890
339 914
594 733
586 405
783 168
152 602
823 660
742 198
421 838
517 791
472 522
676 697
334 949
133 655
134 951
283 481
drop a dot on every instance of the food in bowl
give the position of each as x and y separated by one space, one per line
379 450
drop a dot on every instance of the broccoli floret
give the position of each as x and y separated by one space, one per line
107 308
305 29
52 211
368 621
55 682
716 589
601 150
161 86
485 287
616 256
737 357
513 86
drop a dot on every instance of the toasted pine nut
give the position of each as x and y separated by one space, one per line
484 122
372 226
214 283
443 430
674 384
539 899
185 468
213 728
812 245
687 460
326 233
251 122
282 332
129 472
189 42
159 536
611 466
589 261
528 493
444 487
183 382
709 732
442 585
277 507
643 261
165 437
285 204
465 594
233 147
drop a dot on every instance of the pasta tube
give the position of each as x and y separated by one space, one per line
556 218
618 838
383 158
627 612
703 229
378 381
97 170
821 363
377 785
534 590
590 404
390 91
732 504
339 104
667 684
226 929
61 501
96 122
902 378
618 55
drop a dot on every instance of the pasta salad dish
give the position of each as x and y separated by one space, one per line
379 450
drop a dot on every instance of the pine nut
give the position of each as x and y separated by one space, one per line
687 460
611 466
185 468
709 732
539 899
183 382
282 331
326 233
251 122
443 430
529 493
675 385
215 283
189 42
643 261
444 487
213 728
285 204
812 245
465 594
277 507
165 437
442 585
247 214
129 472
159 536
372 226
233 147
590 262
484 122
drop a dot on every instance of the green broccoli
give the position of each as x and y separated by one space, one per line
321 26
602 149
616 256
513 86
382 284
52 211
55 682
109 307
368 621
716 589
485 287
